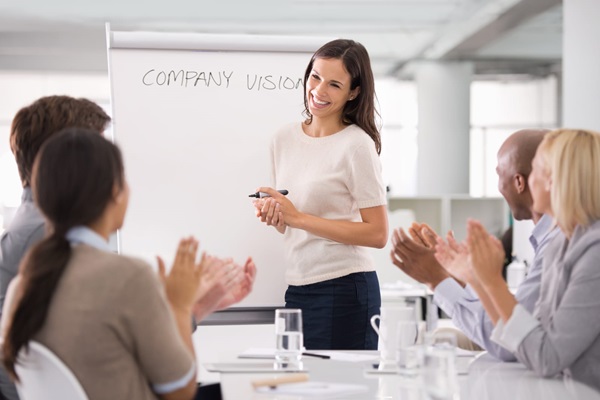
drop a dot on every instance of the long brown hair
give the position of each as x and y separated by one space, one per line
73 180
361 110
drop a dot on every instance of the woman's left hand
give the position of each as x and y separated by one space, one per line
486 253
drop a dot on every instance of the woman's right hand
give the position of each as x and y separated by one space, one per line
269 212
183 281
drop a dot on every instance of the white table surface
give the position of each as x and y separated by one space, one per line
487 379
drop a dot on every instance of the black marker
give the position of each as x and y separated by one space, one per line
323 356
260 195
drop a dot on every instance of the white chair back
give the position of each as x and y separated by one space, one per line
44 376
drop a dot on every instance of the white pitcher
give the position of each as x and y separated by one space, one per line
388 332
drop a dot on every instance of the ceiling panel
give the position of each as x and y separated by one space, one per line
394 31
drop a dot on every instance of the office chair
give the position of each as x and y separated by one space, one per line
44 376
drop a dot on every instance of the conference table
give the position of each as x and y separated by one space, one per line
479 377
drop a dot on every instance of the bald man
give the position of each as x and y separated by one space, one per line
414 254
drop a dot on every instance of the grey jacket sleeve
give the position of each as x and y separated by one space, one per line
575 325
12 252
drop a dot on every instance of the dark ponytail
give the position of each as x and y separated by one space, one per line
41 271
74 178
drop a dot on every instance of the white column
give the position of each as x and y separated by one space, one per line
581 64
444 126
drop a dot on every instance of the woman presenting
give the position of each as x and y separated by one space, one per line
336 204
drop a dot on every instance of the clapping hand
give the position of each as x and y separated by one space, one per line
183 281
225 284
415 258
486 253
423 234
454 257
219 278
242 288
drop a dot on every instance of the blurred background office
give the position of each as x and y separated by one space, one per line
476 69
454 77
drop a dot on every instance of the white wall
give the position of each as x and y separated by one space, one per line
497 110
399 116
581 63
19 89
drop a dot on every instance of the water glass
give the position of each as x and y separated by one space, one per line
441 339
288 332
408 355
439 366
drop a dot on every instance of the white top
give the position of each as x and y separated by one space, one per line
330 177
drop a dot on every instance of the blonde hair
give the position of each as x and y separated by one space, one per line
572 158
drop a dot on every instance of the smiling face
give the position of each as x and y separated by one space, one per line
540 185
328 88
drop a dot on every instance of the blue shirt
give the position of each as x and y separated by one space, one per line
84 235
466 310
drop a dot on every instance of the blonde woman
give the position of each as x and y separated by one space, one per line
563 334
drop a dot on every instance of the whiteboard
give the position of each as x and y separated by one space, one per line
194 115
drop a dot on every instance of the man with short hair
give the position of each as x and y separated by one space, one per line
415 256
31 127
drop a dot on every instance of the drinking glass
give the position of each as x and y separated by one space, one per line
408 354
439 366
288 332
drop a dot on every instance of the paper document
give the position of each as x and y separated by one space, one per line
348 356
258 352
267 353
315 389
251 367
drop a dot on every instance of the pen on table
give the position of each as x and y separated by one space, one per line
323 356
280 380
260 195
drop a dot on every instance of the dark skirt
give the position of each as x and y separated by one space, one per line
336 313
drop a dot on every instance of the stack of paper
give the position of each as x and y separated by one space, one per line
315 389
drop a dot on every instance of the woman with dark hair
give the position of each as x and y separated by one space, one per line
106 316
336 204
